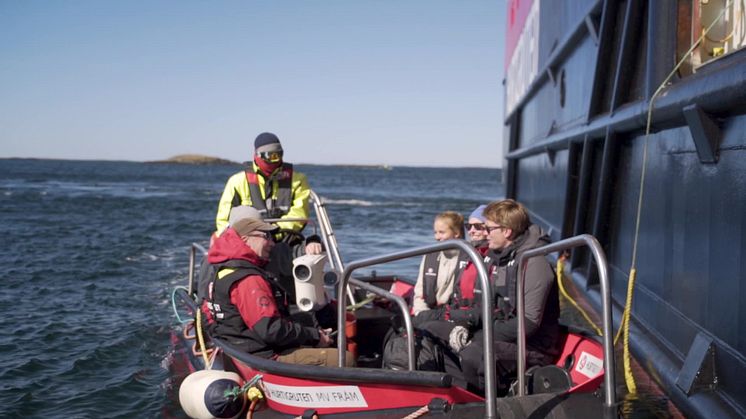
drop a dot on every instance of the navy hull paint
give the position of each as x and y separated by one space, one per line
574 144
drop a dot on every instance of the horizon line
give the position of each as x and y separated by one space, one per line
369 165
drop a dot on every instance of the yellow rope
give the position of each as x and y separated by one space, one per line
563 291
361 303
560 272
201 340
629 379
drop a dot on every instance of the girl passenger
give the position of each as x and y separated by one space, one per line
438 271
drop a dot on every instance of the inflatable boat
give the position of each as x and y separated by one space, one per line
223 381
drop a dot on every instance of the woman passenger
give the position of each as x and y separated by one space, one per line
438 271
463 294
478 235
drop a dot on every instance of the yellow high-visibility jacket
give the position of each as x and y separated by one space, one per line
238 192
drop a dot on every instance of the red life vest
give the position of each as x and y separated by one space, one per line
269 206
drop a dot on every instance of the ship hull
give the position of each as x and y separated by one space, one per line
657 175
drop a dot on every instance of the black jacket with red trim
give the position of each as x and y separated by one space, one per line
249 308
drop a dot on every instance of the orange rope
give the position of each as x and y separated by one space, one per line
252 406
420 412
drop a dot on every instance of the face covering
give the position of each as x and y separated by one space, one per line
266 167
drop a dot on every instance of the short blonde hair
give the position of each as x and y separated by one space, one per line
454 220
508 213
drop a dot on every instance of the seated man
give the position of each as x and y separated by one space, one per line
280 261
250 310
207 271
510 233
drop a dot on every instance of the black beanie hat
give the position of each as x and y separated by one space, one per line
264 139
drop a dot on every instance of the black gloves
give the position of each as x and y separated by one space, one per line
422 317
469 317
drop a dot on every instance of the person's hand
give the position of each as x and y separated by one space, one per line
458 338
325 340
313 248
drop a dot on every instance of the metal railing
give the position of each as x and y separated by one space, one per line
192 258
329 239
603 274
489 374
403 307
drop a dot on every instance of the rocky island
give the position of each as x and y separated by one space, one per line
196 159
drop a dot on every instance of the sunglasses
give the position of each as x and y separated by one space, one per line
475 226
270 156
262 234
491 229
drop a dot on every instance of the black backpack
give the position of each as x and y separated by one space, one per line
428 354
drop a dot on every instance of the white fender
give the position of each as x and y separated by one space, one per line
201 395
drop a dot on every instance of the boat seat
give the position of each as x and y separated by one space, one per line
578 368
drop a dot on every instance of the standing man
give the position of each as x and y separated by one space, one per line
270 186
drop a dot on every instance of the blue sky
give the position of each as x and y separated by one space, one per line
359 82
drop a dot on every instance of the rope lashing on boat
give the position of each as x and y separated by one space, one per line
252 407
213 353
560 274
629 379
173 305
189 327
201 340
254 395
359 304
236 392
419 412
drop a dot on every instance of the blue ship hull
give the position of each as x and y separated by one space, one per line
584 80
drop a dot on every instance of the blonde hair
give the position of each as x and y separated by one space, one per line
508 213
454 220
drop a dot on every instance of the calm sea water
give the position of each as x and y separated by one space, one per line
93 250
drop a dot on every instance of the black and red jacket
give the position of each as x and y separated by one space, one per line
540 294
249 308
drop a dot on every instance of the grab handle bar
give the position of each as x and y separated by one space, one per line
489 374
192 258
603 274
